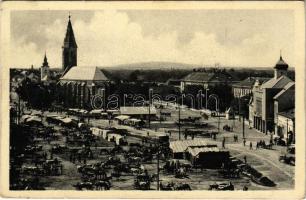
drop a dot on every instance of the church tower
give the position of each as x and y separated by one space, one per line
45 70
280 68
69 55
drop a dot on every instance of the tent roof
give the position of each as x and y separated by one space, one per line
140 110
194 151
122 117
181 145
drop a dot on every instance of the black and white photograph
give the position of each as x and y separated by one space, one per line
154 99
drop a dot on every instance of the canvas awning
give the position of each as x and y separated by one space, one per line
33 119
66 120
134 120
122 117
96 111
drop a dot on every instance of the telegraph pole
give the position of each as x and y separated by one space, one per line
179 122
18 116
158 166
149 119
243 134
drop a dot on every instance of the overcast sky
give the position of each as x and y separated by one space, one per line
105 38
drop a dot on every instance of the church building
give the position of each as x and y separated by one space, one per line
45 70
78 84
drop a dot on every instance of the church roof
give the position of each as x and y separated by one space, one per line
69 40
78 73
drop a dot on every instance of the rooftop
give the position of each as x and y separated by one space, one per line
290 113
194 151
182 145
199 76
137 110
249 82
280 82
290 85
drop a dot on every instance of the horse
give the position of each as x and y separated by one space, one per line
81 185
183 186
167 187
102 185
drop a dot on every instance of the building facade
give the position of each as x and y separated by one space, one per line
285 125
261 108
284 118
245 87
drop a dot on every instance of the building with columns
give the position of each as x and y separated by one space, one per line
261 108
79 84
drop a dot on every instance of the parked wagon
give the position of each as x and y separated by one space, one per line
142 182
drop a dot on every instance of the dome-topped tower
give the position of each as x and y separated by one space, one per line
280 68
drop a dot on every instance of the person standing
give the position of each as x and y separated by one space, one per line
251 145
244 141
223 143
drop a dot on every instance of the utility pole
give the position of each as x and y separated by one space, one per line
179 122
18 116
158 166
287 134
239 109
219 122
243 134
149 118
206 98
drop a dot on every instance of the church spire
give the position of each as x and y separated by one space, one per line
69 40
69 56
45 63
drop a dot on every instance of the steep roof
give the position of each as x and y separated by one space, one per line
69 40
218 76
84 74
280 82
199 76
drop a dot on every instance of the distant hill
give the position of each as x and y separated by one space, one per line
154 65
175 65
